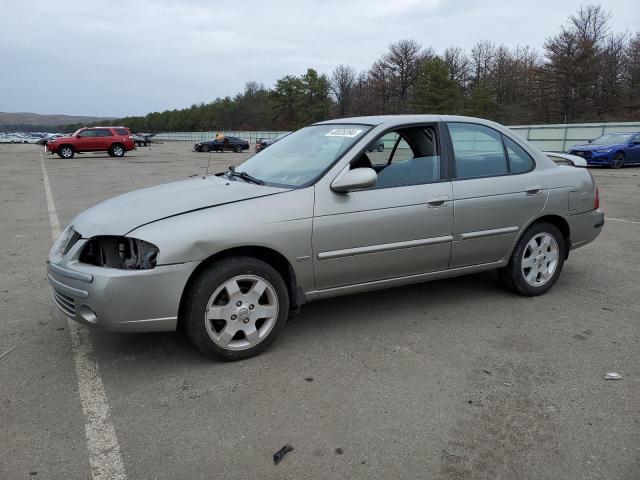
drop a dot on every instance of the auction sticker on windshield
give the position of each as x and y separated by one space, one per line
343 132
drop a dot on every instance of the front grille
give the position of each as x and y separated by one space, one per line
586 155
64 303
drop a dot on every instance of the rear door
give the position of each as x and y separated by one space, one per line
104 138
496 191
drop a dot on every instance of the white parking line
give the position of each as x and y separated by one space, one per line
621 220
105 458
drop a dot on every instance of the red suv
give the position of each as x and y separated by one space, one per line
115 140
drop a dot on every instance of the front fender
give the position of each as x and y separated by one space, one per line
282 223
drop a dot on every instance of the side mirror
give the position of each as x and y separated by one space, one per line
355 179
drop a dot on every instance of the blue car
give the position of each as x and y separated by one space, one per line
611 149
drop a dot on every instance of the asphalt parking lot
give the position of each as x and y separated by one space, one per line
453 379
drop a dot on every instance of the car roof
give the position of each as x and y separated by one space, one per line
390 120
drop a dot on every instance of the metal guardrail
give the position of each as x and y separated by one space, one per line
559 137
552 138
250 136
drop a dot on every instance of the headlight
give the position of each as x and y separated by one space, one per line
66 240
120 252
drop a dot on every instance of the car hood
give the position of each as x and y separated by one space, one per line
589 147
123 213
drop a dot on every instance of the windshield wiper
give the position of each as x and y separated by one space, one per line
243 175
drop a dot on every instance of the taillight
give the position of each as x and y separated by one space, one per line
596 201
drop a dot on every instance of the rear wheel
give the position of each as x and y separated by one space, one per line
66 151
117 150
236 308
237 149
618 160
537 260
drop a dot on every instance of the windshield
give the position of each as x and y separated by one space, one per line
612 138
302 156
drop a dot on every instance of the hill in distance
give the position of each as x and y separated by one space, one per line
28 118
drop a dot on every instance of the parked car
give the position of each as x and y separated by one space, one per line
115 140
263 143
379 147
228 144
141 139
48 137
611 149
228 256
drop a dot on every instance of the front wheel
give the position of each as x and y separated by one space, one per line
618 160
66 151
204 148
236 308
536 262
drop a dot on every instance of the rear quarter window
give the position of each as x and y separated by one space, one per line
519 160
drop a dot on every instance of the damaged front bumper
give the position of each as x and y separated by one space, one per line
116 299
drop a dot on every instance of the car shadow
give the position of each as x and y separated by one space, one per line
363 310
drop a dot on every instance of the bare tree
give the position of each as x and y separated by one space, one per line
483 55
403 62
342 82
457 63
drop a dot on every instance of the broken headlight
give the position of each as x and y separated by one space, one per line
120 252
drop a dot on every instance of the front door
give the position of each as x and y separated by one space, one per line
634 150
399 227
496 191
87 140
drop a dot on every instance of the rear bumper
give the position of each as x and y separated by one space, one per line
585 227
120 300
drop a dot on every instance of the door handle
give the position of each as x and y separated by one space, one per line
533 190
436 202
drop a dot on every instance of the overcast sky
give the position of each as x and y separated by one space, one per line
114 58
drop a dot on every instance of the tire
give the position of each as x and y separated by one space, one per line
381 148
66 151
618 160
117 150
237 149
221 314
204 148
543 273
110 153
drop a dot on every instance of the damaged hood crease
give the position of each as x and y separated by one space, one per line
122 214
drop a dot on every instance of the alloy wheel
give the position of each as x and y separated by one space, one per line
241 312
540 259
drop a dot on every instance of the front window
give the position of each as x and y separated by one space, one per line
611 139
301 157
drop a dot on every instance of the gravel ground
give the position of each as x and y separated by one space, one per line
452 379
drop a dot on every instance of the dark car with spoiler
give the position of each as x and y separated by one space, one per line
232 144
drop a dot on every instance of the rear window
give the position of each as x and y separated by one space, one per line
122 131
